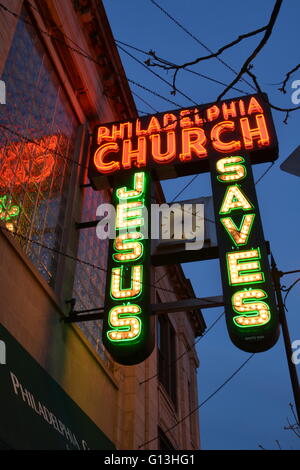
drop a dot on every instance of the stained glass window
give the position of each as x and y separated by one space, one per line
89 285
35 145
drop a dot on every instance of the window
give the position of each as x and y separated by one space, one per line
35 145
89 284
166 343
163 441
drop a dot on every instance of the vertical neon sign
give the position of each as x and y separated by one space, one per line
127 327
251 312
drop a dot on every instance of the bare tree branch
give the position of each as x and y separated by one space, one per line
278 443
294 414
261 447
283 88
245 67
293 427
169 65
273 106
165 64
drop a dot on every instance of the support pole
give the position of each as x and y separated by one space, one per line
286 336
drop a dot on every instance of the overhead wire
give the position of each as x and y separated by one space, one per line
157 75
78 49
81 51
155 93
287 290
206 77
202 403
201 43
92 265
188 349
145 102
74 258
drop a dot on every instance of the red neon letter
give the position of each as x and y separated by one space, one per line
185 121
153 126
254 106
119 133
139 155
260 133
138 129
192 141
169 155
218 144
169 117
242 108
99 155
229 111
103 134
198 120
213 113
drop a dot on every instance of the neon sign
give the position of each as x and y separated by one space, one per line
29 163
224 138
7 209
251 313
127 327
179 143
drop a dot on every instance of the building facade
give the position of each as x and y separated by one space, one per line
63 75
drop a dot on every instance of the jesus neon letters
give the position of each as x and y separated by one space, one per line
126 329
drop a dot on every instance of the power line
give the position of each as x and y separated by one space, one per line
194 177
198 41
175 197
205 401
90 58
79 50
264 173
145 102
76 259
83 53
214 80
86 55
206 77
185 187
142 112
50 35
80 261
157 75
153 93
189 348
288 290
39 144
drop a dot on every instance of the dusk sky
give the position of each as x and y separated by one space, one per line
252 409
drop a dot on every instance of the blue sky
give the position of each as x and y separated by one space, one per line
253 407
